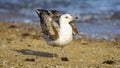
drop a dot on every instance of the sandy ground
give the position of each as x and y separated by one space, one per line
21 47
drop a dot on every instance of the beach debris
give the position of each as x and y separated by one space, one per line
30 59
25 34
108 62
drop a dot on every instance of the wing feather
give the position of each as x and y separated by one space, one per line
49 23
74 29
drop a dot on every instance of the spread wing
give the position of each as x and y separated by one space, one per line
74 29
49 23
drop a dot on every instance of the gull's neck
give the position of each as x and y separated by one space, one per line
63 23
65 27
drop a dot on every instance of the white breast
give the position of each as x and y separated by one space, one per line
65 35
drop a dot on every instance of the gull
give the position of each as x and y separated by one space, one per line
57 28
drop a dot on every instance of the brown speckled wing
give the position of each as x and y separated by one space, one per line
74 29
48 23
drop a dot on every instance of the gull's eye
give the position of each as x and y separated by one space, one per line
66 17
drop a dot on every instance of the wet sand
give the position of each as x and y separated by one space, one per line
21 47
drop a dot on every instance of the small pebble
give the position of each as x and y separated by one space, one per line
64 59
20 64
29 45
25 34
83 42
108 62
12 26
30 59
17 30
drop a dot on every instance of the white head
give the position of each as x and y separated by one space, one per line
66 18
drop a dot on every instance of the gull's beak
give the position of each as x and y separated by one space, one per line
74 18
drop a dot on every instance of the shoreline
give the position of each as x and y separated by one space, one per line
82 35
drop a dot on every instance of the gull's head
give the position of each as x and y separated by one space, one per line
67 18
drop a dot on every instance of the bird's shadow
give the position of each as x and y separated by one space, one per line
36 53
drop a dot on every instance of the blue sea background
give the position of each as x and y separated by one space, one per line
97 18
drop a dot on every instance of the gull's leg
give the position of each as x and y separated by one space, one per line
53 53
64 58
63 52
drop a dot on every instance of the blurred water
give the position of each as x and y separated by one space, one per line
76 6
96 17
